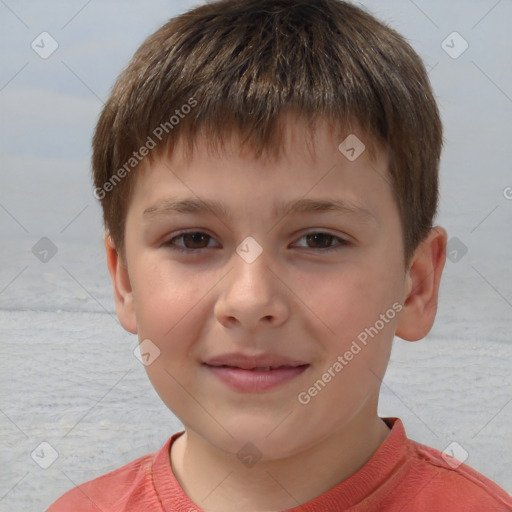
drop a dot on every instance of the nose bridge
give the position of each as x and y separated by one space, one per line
251 291
251 275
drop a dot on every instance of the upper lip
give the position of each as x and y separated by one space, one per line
246 362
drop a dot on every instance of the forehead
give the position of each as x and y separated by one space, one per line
315 170
235 184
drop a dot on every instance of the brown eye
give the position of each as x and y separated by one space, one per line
195 240
322 241
192 240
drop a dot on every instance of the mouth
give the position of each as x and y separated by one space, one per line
255 378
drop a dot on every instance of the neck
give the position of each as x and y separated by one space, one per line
218 482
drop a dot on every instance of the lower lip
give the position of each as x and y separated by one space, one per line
255 381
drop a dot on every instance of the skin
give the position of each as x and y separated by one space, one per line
296 300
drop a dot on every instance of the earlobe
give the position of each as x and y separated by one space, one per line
421 286
123 293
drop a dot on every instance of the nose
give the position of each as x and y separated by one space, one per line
252 296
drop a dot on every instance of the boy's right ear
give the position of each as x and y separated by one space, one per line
123 293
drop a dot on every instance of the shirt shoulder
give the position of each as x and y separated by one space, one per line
435 481
124 489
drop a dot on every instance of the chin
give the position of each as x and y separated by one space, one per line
262 438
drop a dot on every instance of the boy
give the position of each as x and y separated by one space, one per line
241 135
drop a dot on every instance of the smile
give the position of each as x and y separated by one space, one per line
256 379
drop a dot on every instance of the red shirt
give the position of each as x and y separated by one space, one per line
402 475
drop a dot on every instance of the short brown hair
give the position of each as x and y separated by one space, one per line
236 66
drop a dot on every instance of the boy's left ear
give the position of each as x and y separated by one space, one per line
422 286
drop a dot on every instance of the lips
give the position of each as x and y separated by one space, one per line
254 374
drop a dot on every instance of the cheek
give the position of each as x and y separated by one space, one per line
164 295
173 311
358 324
172 314
348 300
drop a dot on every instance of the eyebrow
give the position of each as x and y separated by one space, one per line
171 206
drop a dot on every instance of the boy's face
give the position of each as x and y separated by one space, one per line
303 301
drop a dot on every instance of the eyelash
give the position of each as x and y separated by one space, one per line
341 242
